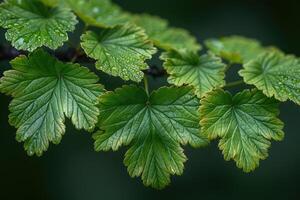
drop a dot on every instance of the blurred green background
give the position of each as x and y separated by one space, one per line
73 171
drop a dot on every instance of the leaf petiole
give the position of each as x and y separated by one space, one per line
229 65
146 84
234 84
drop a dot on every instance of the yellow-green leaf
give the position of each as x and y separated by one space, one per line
204 72
31 24
44 92
120 51
245 124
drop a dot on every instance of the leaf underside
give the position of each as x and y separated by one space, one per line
154 127
245 124
276 75
204 73
119 51
30 24
44 91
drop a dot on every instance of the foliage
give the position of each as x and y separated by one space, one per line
31 24
155 126
45 94
244 122
114 48
204 72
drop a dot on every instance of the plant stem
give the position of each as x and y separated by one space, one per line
234 84
74 57
228 66
85 28
146 84
77 48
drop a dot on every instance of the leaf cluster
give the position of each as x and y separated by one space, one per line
155 125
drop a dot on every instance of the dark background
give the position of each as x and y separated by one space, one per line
73 171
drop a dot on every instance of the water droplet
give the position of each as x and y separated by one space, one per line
20 41
96 10
114 69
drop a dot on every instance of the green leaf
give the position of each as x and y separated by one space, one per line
30 24
153 25
204 73
153 126
235 49
245 124
166 37
276 75
44 91
119 51
100 13
52 2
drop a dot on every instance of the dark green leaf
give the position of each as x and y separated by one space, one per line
154 126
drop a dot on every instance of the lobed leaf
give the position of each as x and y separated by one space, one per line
166 37
52 3
31 24
100 13
119 51
204 72
235 49
44 91
153 126
275 75
245 124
